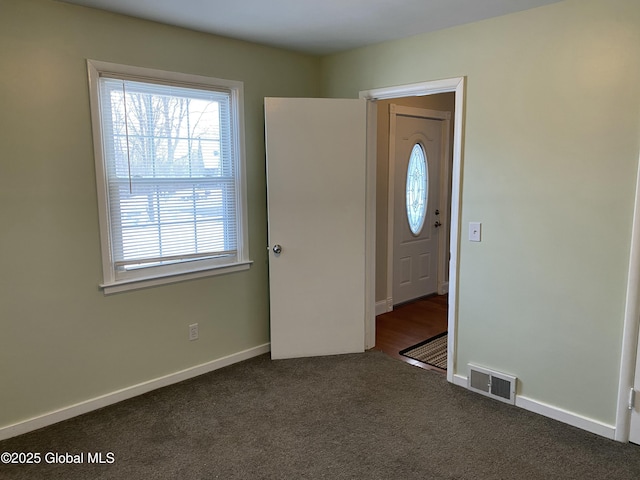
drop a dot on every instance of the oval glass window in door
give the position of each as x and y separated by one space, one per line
417 189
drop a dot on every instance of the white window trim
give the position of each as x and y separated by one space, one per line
110 283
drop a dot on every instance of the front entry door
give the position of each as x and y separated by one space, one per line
316 184
416 188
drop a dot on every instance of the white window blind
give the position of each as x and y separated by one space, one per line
170 176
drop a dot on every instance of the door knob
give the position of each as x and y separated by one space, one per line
437 224
277 249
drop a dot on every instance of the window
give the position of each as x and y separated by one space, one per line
170 175
416 189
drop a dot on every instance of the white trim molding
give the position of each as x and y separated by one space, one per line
370 229
381 307
631 326
456 85
556 413
128 392
565 416
118 287
460 380
420 89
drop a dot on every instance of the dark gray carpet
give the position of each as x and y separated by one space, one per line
364 416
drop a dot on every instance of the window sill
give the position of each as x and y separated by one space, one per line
123 286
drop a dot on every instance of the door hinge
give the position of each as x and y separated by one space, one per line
632 398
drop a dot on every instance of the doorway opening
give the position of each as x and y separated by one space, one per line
410 324
431 96
412 274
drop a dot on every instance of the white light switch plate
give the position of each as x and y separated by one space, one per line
474 231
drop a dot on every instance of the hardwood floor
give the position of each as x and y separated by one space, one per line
409 324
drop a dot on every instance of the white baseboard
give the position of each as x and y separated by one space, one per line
460 381
126 393
381 307
556 413
565 416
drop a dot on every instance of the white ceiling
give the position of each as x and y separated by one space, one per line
315 26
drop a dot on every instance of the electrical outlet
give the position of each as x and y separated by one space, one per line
193 331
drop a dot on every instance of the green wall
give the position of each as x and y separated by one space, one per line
550 155
61 340
551 148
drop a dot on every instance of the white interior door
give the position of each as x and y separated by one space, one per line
634 433
316 184
416 219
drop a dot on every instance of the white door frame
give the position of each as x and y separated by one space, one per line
631 327
455 85
443 205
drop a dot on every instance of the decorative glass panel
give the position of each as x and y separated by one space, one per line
417 189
